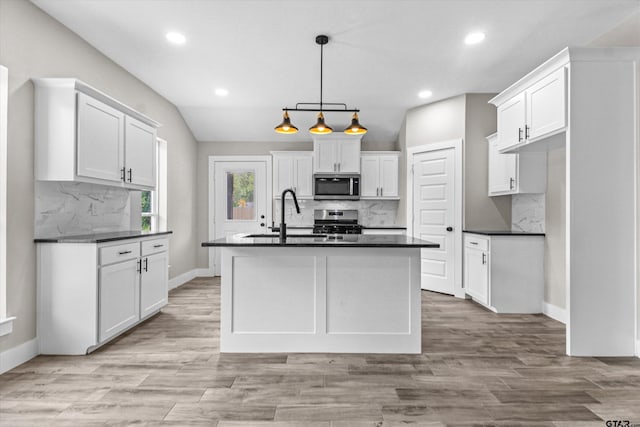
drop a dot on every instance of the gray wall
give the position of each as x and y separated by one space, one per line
470 118
480 210
216 148
555 229
32 44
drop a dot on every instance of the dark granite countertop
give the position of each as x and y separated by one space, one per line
100 237
333 240
503 233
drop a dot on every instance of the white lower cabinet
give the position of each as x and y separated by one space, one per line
119 298
153 283
88 293
505 273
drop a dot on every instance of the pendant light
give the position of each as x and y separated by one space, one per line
286 126
355 128
321 128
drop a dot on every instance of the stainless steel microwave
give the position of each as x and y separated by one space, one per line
329 186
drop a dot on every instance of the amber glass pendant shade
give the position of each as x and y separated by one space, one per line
286 127
355 128
320 128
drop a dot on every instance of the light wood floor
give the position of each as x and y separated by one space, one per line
476 367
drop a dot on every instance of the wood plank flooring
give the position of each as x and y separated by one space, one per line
476 368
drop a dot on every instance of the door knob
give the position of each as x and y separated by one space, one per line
449 228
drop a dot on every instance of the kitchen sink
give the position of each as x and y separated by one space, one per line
276 235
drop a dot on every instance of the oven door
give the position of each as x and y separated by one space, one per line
336 187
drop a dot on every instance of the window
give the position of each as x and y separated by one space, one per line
149 211
240 203
154 203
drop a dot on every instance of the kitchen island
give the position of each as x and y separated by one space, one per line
317 293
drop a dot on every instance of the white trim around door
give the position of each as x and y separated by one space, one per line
211 194
456 145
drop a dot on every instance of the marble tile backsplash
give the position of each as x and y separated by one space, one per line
370 212
527 212
70 208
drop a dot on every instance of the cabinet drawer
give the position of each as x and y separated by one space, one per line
123 252
154 246
476 242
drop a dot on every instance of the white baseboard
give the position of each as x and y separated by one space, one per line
18 355
554 312
185 277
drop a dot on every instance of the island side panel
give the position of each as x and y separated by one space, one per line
320 300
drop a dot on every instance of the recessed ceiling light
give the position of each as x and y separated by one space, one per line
474 38
425 94
176 38
221 92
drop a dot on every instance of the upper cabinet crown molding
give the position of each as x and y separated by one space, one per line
80 86
82 134
562 58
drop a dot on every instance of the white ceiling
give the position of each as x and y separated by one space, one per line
380 53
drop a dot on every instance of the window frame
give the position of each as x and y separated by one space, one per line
158 211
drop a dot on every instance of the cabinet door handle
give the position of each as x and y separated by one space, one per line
484 258
512 183
526 131
122 175
158 246
381 191
474 243
451 229
519 134
124 252
146 264
139 266
130 174
339 166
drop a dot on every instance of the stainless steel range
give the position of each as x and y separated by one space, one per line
333 221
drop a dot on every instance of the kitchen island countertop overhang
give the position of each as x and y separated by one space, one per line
333 294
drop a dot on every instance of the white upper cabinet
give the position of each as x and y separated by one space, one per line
336 154
293 169
100 140
536 112
379 177
515 173
546 106
84 135
140 153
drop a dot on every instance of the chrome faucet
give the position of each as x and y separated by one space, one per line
283 226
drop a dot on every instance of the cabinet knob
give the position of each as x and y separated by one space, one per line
261 216
262 224
449 228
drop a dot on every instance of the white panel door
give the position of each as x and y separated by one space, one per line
140 153
324 156
433 217
240 200
282 173
502 170
100 140
348 156
119 298
389 176
546 105
476 272
154 282
369 179
511 119
303 175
